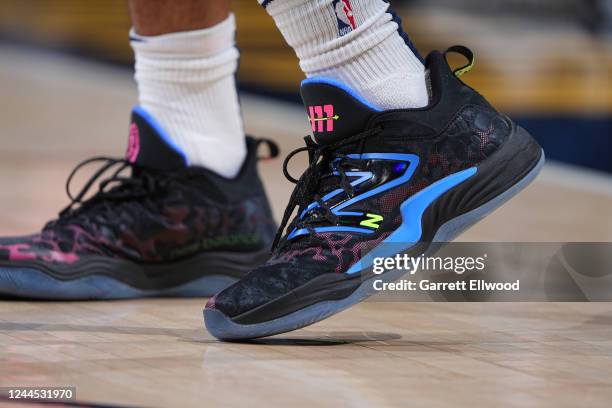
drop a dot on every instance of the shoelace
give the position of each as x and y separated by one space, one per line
141 184
320 158
113 188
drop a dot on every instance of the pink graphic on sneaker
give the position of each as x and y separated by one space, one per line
16 253
322 117
133 144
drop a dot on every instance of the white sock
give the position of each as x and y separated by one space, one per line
355 42
186 81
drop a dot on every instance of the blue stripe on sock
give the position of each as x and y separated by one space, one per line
402 33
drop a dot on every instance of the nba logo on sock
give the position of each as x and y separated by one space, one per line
344 16
322 117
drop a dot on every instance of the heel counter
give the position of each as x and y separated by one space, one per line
448 89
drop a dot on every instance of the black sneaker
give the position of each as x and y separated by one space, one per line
168 229
379 183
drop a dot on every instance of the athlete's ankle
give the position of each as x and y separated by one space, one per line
358 42
186 82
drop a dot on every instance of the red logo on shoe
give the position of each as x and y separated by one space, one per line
344 14
133 144
322 117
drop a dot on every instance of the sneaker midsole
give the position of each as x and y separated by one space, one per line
151 276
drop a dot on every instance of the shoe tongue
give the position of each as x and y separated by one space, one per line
150 146
335 111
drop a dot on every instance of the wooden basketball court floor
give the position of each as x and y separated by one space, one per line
56 111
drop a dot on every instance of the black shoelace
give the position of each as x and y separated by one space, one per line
321 160
135 191
115 188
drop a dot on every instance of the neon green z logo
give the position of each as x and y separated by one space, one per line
372 221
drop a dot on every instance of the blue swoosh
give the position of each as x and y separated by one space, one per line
412 211
413 161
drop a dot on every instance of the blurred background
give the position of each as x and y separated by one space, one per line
66 81
547 62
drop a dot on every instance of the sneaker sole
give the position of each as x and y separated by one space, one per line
200 276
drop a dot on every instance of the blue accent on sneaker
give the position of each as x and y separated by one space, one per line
409 232
304 231
411 159
140 111
363 177
333 82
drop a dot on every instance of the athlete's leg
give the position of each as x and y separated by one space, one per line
157 17
185 66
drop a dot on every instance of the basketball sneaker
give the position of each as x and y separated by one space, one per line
379 183
166 229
